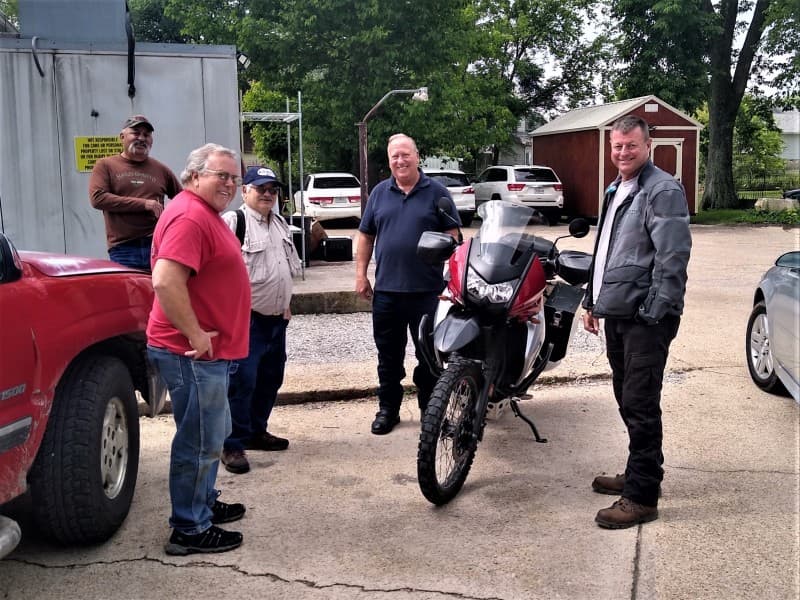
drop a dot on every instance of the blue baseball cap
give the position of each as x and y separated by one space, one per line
259 176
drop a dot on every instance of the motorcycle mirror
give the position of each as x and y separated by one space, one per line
434 247
578 228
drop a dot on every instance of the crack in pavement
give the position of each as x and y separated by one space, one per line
236 569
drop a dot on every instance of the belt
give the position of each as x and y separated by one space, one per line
263 316
144 242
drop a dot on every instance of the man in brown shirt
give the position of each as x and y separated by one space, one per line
129 188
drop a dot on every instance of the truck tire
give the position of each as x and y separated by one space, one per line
83 478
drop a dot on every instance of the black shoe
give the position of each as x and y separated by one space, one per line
225 513
268 442
212 539
384 422
235 461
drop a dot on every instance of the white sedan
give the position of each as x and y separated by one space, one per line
330 196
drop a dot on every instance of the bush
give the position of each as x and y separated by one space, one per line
778 217
729 216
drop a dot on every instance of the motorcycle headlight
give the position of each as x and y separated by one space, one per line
494 292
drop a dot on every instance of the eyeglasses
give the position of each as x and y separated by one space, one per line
264 189
224 176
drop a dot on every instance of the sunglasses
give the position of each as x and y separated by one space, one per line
265 189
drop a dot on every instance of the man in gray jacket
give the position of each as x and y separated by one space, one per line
637 284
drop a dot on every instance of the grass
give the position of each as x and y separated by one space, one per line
752 216
732 216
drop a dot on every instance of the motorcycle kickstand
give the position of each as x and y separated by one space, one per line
518 413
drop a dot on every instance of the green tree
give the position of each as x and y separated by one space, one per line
535 52
484 70
662 47
685 50
270 138
9 11
152 24
757 142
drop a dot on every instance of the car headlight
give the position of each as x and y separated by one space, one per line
493 292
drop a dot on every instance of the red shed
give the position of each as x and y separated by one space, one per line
576 145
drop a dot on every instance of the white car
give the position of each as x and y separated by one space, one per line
532 185
330 196
460 189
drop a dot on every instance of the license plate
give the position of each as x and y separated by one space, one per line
536 190
340 200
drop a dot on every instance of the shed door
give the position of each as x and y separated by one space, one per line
668 155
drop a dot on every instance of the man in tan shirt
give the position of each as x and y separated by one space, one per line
271 261
129 188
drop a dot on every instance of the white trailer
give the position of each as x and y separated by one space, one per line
62 100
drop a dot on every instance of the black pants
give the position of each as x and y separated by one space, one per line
393 315
637 354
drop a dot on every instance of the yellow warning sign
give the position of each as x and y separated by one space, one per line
88 149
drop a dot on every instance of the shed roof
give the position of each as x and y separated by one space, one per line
594 117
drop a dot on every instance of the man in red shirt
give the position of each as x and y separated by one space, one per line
199 324
129 188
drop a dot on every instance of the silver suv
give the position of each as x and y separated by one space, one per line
533 185
460 189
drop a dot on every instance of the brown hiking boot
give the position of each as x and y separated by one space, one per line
625 513
235 461
603 484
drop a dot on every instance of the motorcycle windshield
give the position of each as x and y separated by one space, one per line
505 231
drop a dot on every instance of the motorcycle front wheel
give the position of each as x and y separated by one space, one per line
447 443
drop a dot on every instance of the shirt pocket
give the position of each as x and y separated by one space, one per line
255 260
295 263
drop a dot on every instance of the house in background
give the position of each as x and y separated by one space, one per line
576 145
789 124
518 152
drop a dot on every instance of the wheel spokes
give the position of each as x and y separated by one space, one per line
760 353
455 434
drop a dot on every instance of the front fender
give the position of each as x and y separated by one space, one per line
455 332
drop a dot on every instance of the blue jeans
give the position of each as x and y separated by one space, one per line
393 314
199 393
255 380
638 354
135 253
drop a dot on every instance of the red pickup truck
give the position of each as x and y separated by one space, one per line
72 357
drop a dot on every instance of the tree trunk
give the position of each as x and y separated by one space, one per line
726 95
720 191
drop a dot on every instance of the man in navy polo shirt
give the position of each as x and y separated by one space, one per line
399 209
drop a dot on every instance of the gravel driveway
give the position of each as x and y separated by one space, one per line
325 338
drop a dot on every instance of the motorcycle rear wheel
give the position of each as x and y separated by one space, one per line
446 441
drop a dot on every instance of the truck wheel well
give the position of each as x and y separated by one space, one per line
131 349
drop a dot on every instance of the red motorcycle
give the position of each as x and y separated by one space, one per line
506 315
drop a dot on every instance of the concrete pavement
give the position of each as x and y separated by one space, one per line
339 515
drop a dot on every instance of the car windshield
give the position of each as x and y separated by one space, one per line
536 174
330 183
450 179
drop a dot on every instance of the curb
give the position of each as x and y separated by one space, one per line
354 393
311 303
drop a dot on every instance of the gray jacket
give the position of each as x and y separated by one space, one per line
645 274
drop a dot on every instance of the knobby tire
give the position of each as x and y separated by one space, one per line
446 443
